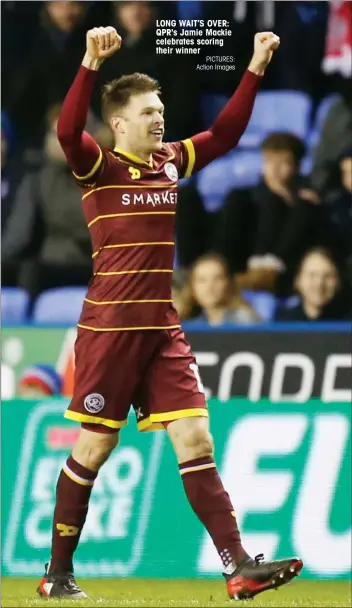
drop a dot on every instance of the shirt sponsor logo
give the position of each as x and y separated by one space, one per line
145 198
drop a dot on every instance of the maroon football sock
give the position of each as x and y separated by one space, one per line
213 507
73 491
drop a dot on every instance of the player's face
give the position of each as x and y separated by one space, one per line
346 173
143 122
278 166
318 280
210 284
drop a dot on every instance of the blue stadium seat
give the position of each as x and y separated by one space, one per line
14 304
61 305
236 170
264 303
277 111
245 168
213 182
319 118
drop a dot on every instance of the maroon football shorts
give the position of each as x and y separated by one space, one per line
154 371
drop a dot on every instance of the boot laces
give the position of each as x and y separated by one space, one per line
68 582
71 584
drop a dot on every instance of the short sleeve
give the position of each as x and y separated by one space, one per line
184 157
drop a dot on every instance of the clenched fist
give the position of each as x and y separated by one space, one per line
102 42
264 45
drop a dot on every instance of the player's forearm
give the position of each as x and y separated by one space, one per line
75 107
80 148
234 118
91 63
257 67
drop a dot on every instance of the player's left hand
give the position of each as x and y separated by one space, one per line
265 43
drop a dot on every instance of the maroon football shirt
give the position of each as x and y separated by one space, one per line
130 212
130 208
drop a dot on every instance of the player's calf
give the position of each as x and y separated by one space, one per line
74 488
193 445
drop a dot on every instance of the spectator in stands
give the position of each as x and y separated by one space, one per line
214 291
39 381
46 232
336 137
48 72
135 21
318 283
338 208
19 27
301 26
269 227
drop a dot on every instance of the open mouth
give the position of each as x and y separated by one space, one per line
157 133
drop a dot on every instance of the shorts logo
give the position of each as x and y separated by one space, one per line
94 403
171 171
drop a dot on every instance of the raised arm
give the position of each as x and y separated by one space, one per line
82 152
231 123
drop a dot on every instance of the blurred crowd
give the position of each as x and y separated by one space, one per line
289 234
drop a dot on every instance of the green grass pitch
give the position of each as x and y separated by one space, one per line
178 593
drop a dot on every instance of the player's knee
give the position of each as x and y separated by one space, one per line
93 449
199 442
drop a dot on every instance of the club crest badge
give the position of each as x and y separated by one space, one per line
171 171
94 403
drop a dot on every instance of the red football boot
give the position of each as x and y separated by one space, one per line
60 584
254 576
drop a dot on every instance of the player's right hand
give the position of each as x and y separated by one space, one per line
102 42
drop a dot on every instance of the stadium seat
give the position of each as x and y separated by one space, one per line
14 304
277 111
245 168
264 303
236 170
213 183
319 119
61 305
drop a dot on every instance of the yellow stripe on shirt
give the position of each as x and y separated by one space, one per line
92 171
191 156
